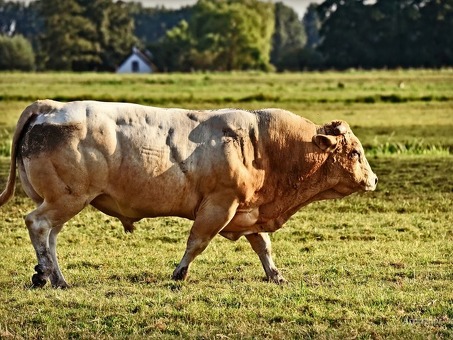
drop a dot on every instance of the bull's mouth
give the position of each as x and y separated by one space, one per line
370 185
369 188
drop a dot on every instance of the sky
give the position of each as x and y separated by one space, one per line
298 5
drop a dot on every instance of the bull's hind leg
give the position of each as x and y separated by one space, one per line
39 231
43 225
261 244
56 277
214 214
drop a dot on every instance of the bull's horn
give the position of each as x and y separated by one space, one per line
339 130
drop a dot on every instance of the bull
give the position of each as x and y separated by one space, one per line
233 172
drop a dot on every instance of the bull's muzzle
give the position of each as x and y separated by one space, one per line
371 183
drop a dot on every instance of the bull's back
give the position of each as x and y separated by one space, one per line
174 158
143 161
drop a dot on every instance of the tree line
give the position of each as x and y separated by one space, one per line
225 35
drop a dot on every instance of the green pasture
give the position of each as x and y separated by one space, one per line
376 265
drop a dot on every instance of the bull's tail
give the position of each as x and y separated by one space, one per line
27 115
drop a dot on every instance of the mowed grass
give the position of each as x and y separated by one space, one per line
408 107
376 265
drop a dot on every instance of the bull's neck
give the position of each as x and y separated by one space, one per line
298 171
303 181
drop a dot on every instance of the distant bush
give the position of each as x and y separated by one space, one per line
16 53
413 147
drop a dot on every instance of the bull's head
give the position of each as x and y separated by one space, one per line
348 169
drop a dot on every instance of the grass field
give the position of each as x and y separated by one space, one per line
378 265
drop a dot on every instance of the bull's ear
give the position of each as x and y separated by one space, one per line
325 142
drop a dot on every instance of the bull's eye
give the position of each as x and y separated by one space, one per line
355 154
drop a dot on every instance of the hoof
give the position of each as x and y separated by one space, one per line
38 281
38 269
58 281
280 280
180 274
60 285
277 278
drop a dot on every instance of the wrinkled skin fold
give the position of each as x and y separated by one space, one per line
233 172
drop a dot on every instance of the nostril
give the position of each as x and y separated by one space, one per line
375 180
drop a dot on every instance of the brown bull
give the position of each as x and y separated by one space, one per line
233 172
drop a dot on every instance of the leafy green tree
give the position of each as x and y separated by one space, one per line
16 53
222 35
69 39
236 33
151 24
288 39
174 52
114 30
84 35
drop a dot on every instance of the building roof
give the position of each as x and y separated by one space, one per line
144 56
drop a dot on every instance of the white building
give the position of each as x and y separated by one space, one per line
137 62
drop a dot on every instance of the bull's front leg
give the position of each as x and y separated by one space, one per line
214 214
261 244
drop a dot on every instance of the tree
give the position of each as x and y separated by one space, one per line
309 57
237 34
434 39
19 18
151 24
345 29
395 31
175 50
69 39
223 35
84 35
312 25
288 39
387 33
114 30
16 53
